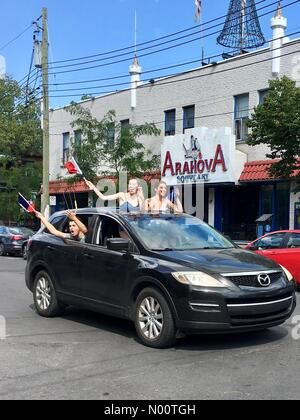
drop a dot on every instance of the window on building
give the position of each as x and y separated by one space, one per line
124 124
77 139
262 95
77 142
66 147
170 122
111 132
188 117
241 116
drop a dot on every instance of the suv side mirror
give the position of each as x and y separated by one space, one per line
118 244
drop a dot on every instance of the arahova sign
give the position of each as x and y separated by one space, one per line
200 156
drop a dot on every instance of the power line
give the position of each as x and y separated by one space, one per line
161 83
159 50
155 39
168 75
123 76
16 38
159 44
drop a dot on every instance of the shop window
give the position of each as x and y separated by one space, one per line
170 122
188 117
241 116
66 148
282 205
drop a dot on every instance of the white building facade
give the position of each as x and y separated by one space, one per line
209 106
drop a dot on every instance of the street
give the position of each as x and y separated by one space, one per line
90 356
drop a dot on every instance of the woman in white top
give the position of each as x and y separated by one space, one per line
161 202
132 201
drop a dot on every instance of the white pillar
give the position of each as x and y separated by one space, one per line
278 25
211 207
135 72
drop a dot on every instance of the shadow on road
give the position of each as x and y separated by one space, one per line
193 343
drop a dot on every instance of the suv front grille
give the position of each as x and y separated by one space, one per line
252 280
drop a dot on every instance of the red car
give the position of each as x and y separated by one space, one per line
283 247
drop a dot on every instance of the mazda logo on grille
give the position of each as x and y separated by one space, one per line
264 280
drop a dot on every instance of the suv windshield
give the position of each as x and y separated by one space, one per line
178 233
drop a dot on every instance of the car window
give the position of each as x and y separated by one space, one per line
26 231
58 223
61 223
3 230
110 228
15 231
274 241
177 233
294 241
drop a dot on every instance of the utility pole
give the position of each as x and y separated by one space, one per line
45 77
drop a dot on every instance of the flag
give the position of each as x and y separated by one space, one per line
198 5
73 167
26 205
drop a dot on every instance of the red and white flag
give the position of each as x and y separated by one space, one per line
73 167
198 5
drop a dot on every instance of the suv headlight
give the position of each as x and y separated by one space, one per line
287 273
197 279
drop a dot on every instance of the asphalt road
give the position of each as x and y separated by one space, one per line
88 356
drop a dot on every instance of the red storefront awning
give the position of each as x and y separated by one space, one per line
258 170
62 187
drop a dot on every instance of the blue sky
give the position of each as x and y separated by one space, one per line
79 28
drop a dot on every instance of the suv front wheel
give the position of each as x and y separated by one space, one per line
154 321
44 296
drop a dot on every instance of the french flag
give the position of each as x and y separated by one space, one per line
73 167
26 205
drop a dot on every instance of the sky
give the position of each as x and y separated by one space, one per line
83 28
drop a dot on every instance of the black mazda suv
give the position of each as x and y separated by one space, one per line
167 273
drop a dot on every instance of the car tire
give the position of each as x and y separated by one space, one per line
44 295
154 321
2 250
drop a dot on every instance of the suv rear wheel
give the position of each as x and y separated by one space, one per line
44 296
154 321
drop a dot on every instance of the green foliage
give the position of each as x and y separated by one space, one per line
15 178
100 155
20 132
276 123
20 144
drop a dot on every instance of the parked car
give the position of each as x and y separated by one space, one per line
283 247
173 273
12 240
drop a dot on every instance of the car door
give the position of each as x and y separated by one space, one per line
106 274
272 246
62 257
290 256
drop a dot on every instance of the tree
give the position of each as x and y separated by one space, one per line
276 123
107 148
20 148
